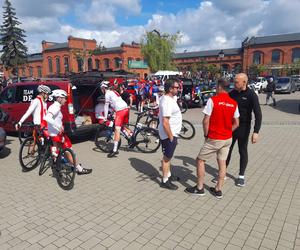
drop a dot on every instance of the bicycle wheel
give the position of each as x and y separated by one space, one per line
153 123
65 169
45 157
29 154
104 139
182 105
147 140
187 130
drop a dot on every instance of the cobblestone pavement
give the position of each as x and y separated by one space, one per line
120 205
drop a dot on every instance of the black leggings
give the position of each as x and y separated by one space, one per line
241 134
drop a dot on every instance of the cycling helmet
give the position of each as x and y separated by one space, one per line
161 88
59 93
271 79
101 98
104 84
44 89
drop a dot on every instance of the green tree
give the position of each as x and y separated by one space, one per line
213 70
158 49
14 51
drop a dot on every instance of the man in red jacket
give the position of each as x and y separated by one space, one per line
221 117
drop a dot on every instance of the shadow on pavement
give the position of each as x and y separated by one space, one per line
288 106
5 152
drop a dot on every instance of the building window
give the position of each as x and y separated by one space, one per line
106 63
257 57
90 64
23 72
80 64
39 70
31 71
57 62
295 55
276 56
66 64
50 66
138 59
117 62
97 62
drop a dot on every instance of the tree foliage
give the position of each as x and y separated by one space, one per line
14 51
158 50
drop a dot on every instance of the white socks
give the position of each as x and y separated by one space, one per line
115 146
79 167
241 177
165 179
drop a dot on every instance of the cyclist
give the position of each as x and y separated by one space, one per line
37 108
54 119
113 99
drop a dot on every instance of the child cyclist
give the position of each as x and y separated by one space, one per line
54 119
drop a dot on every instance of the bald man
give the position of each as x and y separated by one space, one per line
247 103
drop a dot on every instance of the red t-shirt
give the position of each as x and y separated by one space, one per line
221 109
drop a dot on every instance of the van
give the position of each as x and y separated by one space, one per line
163 75
78 113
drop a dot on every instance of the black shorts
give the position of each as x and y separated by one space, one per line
168 147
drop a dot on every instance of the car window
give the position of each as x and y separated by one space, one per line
7 95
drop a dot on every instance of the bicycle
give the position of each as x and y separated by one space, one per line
38 152
145 139
182 105
25 131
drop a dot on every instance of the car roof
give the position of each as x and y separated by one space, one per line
39 83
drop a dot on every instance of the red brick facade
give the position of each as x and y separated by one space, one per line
77 54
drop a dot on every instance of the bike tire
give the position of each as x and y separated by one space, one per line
147 140
187 130
34 158
182 105
104 140
45 156
65 169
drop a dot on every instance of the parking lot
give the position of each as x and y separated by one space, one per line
120 205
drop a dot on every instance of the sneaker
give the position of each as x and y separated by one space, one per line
195 191
215 180
85 171
168 185
174 178
112 154
240 182
217 194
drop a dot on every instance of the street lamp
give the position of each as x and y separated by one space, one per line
221 56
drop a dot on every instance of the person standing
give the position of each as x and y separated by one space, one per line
170 121
247 102
221 117
270 91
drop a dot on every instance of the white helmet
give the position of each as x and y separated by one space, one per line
104 84
44 89
59 93
161 88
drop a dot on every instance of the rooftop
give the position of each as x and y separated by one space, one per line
58 46
227 52
292 37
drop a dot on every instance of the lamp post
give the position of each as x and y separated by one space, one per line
221 56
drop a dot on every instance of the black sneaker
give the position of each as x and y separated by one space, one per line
240 182
174 178
216 193
112 154
168 185
85 171
195 191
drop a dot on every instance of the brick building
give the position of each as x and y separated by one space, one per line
276 53
78 54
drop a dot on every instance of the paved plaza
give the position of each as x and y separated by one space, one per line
121 206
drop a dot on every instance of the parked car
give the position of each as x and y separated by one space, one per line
78 113
260 84
285 85
296 79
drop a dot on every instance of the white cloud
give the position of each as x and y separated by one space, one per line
210 25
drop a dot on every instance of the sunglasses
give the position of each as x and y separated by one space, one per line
175 87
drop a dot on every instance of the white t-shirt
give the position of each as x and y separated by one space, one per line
113 99
54 119
210 105
168 107
35 110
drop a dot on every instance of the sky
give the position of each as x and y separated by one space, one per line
203 25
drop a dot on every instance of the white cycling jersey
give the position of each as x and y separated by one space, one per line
113 99
54 118
37 110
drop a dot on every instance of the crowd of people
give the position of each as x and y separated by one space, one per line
227 119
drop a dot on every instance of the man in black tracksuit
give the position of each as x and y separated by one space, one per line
270 90
247 102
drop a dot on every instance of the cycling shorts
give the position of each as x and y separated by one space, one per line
122 117
63 140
